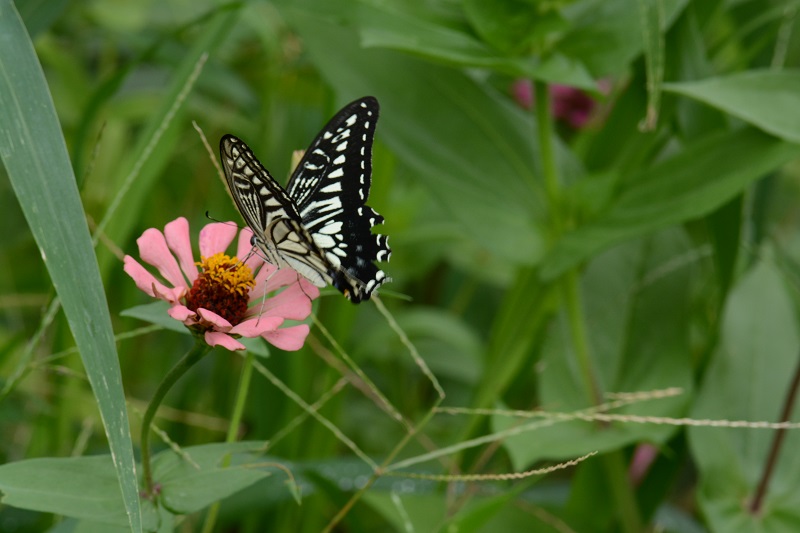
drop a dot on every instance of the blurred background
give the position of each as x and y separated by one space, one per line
582 197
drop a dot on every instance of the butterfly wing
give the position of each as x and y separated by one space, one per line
330 187
277 228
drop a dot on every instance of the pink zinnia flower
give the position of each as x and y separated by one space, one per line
223 300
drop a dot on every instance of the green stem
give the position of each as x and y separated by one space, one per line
191 357
757 502
544 127
572 297
625 501
233 430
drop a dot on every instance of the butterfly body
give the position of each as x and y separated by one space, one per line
319 225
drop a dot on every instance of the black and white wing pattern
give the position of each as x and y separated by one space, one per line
320 225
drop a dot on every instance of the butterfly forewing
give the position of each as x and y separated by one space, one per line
330 187
270 213
319 225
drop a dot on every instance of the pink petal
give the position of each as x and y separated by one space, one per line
256 327
177 234
172 296
289 339
144 280
643 458
291 303
154 251
183 314
522 91
216 338
216 237
219 323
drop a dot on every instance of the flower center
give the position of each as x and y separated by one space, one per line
222 287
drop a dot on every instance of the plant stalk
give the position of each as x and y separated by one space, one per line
777 444
197 352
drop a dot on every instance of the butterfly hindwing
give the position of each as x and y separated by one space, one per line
320 225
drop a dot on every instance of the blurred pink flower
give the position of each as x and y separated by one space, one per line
570 105
643 458
223 299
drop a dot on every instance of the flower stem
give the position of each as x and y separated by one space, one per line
191 357
233 430
544 128
777 442
624 499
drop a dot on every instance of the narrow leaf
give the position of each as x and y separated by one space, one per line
767 99
35 155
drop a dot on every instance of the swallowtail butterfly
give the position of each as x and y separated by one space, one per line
319 225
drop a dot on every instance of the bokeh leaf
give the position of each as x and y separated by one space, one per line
767 99
748 379
687 186
397 25
639 316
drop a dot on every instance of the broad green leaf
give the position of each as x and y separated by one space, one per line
78 487
638 326
767 99
156 313
748 379
187 487
687 186
85 488
398 26
34 153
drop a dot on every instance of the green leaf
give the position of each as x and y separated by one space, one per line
85 488
767 99
35 156
79 487
638 339
398 26
187 487
748 379
687 186
39 15
156 313
514 26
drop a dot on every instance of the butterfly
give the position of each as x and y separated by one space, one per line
319 225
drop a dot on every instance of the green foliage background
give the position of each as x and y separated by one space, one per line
535 265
